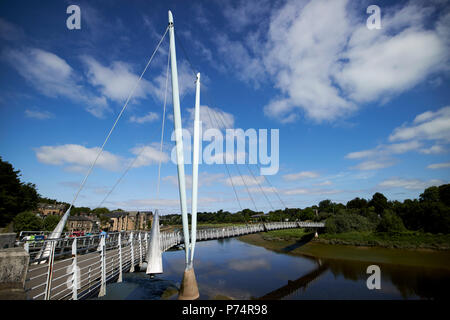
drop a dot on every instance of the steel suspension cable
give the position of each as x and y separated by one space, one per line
220 116
226 166
237 167
231 180
118 117
162 127
141 151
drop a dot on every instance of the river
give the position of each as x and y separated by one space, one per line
234 269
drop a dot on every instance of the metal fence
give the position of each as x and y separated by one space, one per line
78 268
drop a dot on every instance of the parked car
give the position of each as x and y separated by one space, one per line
76 234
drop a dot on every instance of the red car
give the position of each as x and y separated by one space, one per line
77 234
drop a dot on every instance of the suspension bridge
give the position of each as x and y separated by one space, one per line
78 268
81 267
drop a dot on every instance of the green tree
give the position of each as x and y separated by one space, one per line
100 211
50 222
357 203
27 221
379 201
430 194
390 222
346 222
15 196
444 194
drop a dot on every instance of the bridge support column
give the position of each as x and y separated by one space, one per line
154 256
189 287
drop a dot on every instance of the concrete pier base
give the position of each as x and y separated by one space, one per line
13 271
189 288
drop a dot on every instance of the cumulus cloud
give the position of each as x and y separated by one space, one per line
244 180
38 114
52 76
300 175
328 68
374 164
430 125
147 155
149 117
439 165
204 179
211 118
78 158
412 184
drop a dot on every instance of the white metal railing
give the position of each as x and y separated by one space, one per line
96 260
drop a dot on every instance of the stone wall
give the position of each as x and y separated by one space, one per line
13 270
7 240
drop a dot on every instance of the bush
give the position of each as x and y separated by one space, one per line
345 222
27 221
50 222
390 222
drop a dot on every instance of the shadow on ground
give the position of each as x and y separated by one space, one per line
301 242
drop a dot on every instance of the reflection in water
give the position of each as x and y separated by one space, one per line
294 286
230 268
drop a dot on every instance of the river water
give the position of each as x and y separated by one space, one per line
234 269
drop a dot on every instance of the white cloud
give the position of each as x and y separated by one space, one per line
54 77
245 13
439 165
204 179
149 117
327 68
300 191
373 165
435 149
244 180
430 125
37 114
412 184
385 150
300 175
324 183
117 81
147 155
211 118
77 156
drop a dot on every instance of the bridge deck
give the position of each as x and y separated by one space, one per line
90 263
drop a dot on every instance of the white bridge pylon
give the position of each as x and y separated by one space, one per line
154 255
189 289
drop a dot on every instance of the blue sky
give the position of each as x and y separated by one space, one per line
358 110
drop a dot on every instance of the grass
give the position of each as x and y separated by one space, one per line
402 240
285 234
353 246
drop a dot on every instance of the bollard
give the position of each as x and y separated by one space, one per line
74 270
102 291
132 252
120 258
48 285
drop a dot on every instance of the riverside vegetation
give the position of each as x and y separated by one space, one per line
417 223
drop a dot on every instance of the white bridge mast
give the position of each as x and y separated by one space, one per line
178 137
189 288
